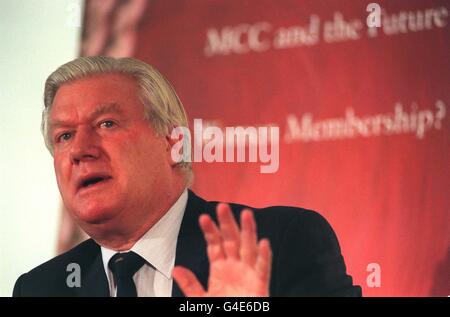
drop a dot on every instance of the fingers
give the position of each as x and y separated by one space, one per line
229 230
249 240
187 282
237 253
213 238
264 261
227 241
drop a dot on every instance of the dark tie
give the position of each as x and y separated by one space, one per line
123 266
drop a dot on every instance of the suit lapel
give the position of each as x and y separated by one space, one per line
191 246
94 282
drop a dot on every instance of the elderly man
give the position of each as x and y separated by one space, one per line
107 123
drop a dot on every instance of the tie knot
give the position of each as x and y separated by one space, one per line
124 265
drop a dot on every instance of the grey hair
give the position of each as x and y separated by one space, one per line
162 107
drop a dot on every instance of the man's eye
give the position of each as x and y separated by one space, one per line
107 124
64 137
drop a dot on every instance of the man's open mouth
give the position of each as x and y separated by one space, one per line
89 182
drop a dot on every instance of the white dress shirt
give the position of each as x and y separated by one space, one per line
158 247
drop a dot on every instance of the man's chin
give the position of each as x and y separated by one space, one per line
94 216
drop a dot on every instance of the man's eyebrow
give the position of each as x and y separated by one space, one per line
100 110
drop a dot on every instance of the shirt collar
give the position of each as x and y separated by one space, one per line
158 245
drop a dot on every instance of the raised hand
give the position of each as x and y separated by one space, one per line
239 264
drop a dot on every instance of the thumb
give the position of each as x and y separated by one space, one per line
187 282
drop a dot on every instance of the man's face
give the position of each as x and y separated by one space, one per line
108 160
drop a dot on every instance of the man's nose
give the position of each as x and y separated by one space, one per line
84 146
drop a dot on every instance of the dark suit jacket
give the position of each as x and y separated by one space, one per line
307 260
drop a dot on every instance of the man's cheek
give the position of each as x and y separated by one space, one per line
62 177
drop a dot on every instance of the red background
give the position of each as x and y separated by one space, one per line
386 196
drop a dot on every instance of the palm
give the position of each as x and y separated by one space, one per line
239 264
230 278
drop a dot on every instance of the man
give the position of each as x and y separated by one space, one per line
107 122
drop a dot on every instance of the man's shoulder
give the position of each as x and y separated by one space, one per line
275 221
52 274
80 254
276 214
307 259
